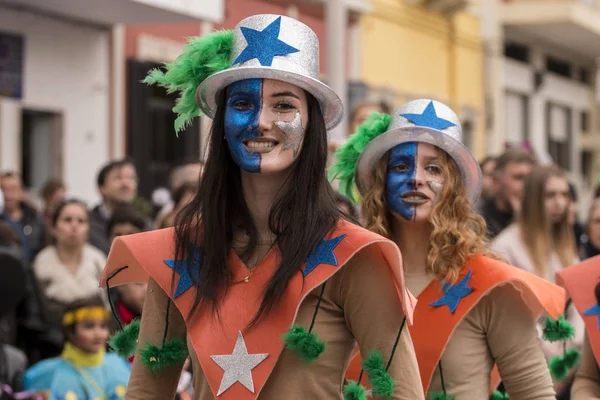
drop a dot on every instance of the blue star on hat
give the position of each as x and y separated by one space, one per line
264 45
594 310
428 118
323 254
181 268
453 294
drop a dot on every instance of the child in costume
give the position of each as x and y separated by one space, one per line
84 371
261 281
419 184
581 282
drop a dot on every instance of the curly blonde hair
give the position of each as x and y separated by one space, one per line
459 232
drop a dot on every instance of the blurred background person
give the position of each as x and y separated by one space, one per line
346 206
487 165
52 193
125 220
591 246
117 183
576 225
541 241
181 197
509 175
69 269
188 173
22 218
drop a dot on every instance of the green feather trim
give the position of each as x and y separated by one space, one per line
440 396
354 391
172 353
201 57
497 395
308 346
380 380
560 366
557 330
124 342
347 155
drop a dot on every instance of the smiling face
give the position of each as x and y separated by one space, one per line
414 180
265 122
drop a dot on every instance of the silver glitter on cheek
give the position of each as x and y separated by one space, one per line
294 133
436 187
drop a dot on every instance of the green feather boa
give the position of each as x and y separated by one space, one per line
347 155
172 353
202 57
124 342
306 344
354 391
380 380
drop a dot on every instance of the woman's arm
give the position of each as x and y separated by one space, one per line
513 341
374 315
587 377
143 384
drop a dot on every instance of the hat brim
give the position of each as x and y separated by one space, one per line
331 105
378 147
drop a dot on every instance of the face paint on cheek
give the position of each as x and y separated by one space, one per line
242 113
294 133
436 187
400 179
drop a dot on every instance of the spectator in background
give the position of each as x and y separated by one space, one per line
346 206
181 197
578 228
117 183
187 173
125 220
52 194
591 247
21 217
541 242
509 175
70 269
487 165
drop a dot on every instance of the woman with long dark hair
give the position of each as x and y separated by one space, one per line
419 184
263 277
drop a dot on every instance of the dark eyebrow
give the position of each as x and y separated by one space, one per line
285 94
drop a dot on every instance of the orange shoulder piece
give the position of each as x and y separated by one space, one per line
442 306
214 340
580 280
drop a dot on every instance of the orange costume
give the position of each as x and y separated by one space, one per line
581 281
441 307
135 258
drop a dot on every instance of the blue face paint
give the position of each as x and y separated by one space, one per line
242 113
400 178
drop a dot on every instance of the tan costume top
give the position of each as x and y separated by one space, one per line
587 377
498 329
360 305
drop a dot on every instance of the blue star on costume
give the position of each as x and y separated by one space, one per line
181 267
264 45
453 294
428 118
594 310
323 254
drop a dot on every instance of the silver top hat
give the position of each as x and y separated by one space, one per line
273 47
426 121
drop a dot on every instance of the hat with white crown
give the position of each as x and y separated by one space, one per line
260 47
423 120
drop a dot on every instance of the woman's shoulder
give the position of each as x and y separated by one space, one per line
45 260
93 253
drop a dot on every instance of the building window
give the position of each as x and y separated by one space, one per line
585 121
587 159
559 66
583 76
517 122
559 133
516 51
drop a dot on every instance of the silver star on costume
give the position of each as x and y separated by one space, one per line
238 366
294 132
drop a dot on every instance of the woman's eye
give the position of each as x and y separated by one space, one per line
242 105
400 168
434 169
284 106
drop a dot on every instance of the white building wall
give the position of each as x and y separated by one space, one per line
66 70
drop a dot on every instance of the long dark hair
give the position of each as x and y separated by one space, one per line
302 214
